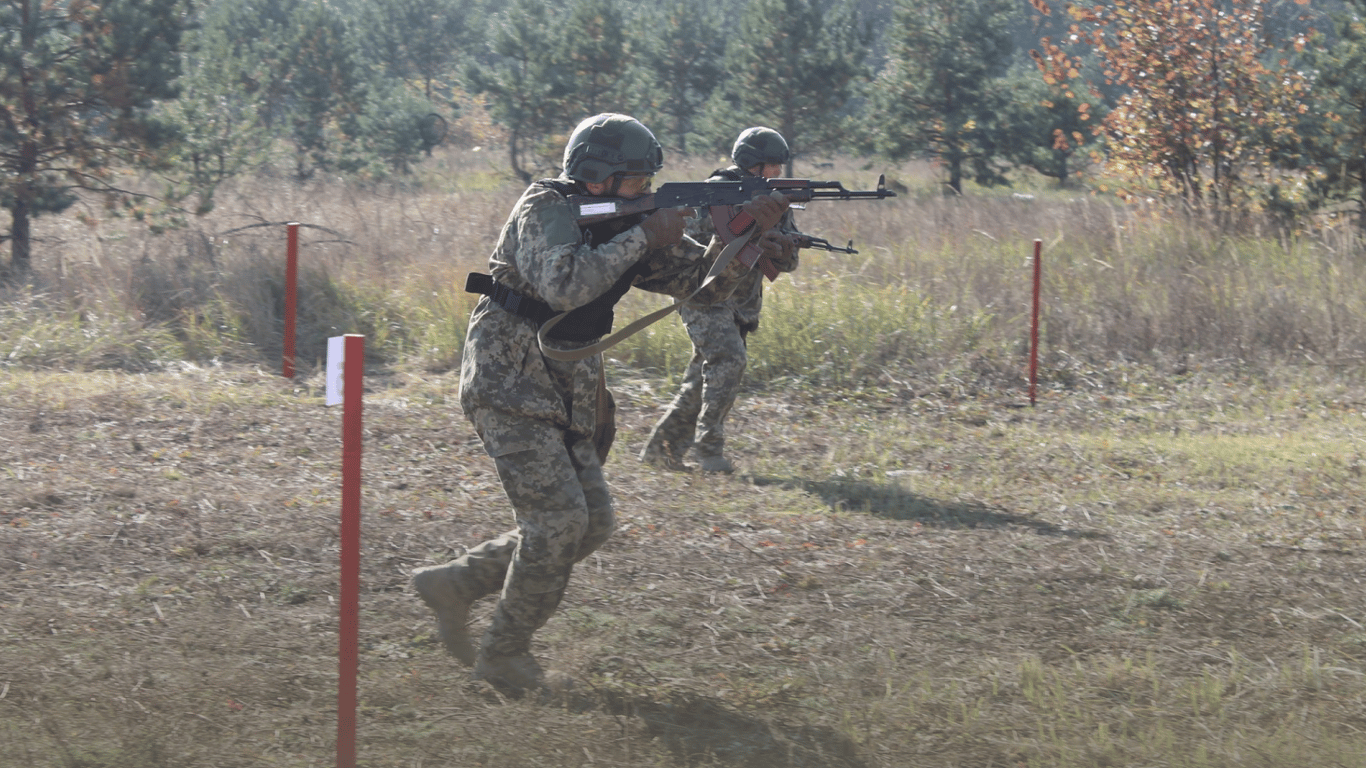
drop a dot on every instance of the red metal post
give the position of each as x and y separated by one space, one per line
353 373
1034 323
291 291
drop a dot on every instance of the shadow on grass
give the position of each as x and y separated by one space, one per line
702 731
893 502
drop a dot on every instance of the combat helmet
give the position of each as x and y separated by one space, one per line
760 145
610 143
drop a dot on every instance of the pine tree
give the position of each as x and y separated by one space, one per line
942 91
217 113
77 81
682 65
594 60
525 85
1332 133
1051 127
301 64
792 65
389 134
418 40
255 47
326 84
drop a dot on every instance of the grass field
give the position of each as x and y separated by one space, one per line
1158 564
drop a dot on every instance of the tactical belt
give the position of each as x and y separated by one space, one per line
576 328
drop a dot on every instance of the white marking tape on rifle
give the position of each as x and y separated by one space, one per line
723 260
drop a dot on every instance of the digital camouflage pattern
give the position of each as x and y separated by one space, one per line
536 416
711 383
697 415
540 254
564 513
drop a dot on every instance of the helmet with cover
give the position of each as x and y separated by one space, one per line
759 146
608 144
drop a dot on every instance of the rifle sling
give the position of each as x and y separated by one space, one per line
723 260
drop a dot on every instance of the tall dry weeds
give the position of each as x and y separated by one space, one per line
389 261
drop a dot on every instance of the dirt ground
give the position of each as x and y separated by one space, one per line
851 597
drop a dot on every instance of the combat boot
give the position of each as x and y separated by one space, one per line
450 589
659 453
512 675
443 588
716 463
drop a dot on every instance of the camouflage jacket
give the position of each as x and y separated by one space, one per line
748 299
542 254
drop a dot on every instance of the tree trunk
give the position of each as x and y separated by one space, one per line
681 133
515 166
789 131
20 238
21 209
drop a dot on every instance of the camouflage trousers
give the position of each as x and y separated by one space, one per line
563 511
697 415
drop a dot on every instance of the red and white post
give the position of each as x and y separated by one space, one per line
1034 323
352 377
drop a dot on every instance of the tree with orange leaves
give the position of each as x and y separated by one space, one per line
1203 97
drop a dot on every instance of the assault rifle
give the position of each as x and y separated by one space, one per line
802 240
722 198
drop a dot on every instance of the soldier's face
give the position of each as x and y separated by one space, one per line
767 170
626 186
634 186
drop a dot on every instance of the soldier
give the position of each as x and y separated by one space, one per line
697 416
536 416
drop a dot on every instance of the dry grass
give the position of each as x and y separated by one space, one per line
945 283
1151 571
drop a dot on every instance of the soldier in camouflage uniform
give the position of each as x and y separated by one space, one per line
696 417
536 415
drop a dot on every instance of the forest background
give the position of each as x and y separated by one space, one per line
1244 116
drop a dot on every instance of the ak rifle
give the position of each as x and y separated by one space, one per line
803 240
723 198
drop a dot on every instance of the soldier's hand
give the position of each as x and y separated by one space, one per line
663 228
767 209
779 249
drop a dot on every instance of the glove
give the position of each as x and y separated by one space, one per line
779 249
767 209
663 228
